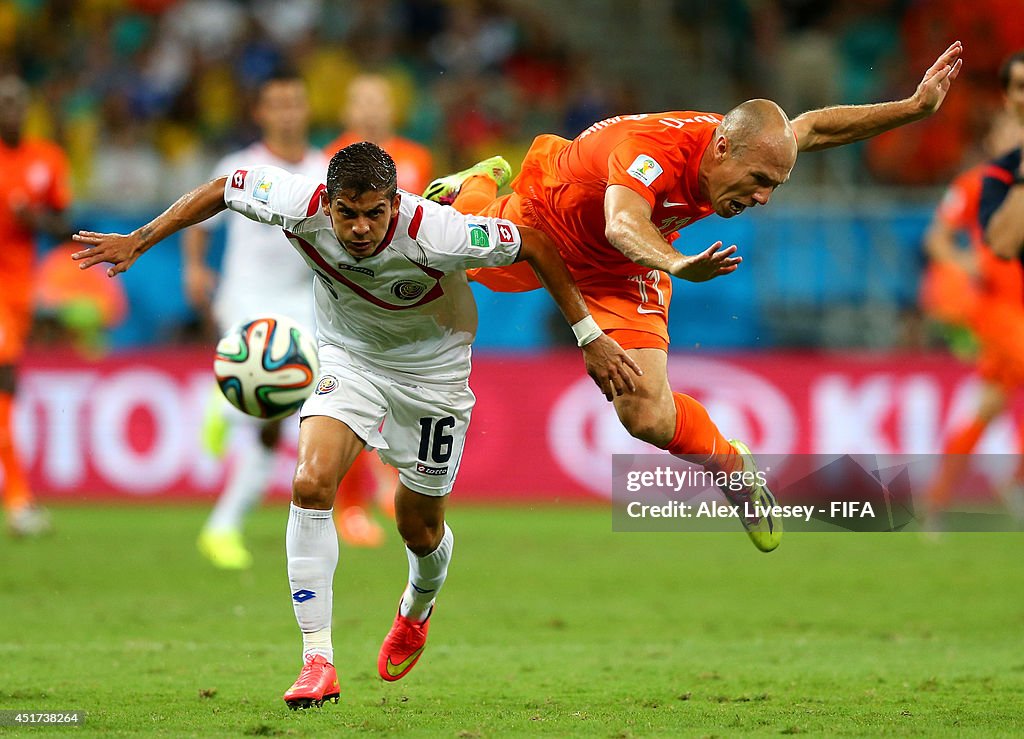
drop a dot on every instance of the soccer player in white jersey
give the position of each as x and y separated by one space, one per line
259 275
396 319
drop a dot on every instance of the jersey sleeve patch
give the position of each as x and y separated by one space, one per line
506 235
261 192
238 179
645 169
479 235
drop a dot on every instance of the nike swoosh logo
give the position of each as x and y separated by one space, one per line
670 204
395 670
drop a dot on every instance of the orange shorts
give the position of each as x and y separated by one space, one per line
632 309
1000 330
948 294
15 322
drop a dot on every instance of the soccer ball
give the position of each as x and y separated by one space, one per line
266 367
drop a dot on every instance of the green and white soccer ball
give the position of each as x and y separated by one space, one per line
266 367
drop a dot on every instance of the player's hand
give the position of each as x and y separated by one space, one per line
711 263
610 367
119 250
200 281
937 80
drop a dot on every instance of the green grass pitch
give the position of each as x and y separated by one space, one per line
549 624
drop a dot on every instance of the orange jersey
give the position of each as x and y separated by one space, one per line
35 174
413 162
1001 279
657 155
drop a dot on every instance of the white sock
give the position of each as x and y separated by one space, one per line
248 481
426 576
312 545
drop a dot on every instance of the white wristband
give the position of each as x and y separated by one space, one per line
586 331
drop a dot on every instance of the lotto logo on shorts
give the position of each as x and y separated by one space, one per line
327 384
420 467
505 234
238 179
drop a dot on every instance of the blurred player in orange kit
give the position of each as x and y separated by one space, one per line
34 193
368 114
613 200
994 306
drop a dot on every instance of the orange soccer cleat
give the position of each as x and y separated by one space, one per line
317 682
402 647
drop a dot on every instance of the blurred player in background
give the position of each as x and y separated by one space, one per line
988 202
260 274
368 114
982 294
614 199
35 192
396 319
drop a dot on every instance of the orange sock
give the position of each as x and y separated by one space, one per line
16 490
698 439
475 194
954 462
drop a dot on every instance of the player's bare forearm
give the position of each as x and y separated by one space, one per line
121 250
1005 232
542 256
845 124
640 242
628 227
606 362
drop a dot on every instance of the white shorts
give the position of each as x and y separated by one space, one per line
420 431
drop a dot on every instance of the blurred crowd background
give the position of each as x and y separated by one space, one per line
145 95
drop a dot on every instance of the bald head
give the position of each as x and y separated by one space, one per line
369 109
760 124
753 152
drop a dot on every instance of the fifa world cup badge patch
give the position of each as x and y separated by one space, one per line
645 169
327 384
262 190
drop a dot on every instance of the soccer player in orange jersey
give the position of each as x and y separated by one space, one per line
368 114
999 318
969 289
34 193
614 197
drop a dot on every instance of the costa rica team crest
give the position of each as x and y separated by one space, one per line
407 289
327 384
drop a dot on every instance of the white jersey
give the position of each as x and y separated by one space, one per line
260 274
405 311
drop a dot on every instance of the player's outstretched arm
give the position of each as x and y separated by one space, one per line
121 250
607 363
629 229
844 124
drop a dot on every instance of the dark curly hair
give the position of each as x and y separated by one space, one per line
362 167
